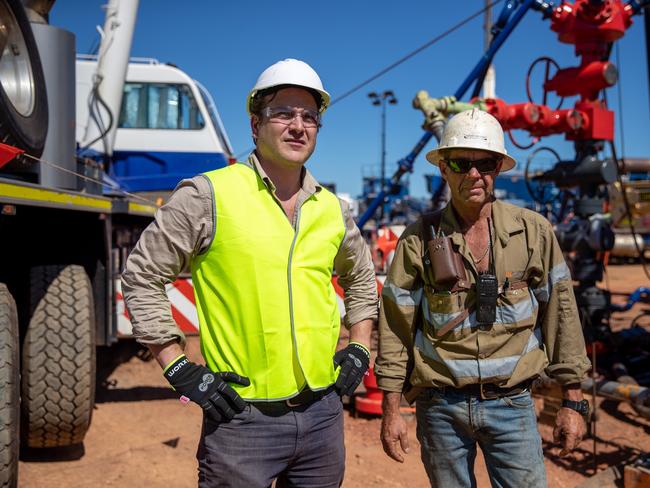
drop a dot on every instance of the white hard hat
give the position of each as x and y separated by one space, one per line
473 129
290 72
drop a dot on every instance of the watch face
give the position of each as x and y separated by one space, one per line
584 407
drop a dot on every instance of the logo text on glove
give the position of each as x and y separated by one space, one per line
171 372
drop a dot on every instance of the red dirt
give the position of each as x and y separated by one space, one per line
142 435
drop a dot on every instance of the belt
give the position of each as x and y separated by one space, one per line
490 391
307 396
302 399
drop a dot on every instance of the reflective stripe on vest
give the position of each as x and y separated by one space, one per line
264 297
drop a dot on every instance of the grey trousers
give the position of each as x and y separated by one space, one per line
300 447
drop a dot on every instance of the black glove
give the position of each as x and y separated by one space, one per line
206 388
354 361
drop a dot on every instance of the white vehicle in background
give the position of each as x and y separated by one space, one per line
168 126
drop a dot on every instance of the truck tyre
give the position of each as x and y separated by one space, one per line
9 390
58 376
23 98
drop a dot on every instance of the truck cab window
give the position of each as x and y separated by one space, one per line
159 106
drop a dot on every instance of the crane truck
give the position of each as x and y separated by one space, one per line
89 144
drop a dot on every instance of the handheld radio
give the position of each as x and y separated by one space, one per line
487 290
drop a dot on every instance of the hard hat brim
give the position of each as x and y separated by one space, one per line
435 155
325 97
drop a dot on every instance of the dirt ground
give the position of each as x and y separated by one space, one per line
142 436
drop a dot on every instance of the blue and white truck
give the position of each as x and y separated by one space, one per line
100 139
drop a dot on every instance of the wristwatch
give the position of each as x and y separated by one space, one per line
582 407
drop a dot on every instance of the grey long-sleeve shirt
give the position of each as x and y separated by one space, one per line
184 227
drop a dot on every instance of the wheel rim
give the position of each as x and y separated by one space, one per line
16 75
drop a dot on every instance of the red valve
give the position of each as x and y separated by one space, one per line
600 121
512 116
586 80
541 120
548 62
565 121
590 26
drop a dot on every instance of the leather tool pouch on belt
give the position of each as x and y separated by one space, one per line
446 264
448 270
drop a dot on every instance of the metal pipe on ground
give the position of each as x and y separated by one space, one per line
625 247
637 396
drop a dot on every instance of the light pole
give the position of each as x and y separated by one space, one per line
387 96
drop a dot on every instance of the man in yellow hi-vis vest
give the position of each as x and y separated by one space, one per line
262 239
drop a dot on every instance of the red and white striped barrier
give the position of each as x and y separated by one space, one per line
181 297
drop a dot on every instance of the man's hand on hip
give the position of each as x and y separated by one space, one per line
210 390
569 429
354 361
393 428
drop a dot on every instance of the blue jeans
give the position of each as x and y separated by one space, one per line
300 447
451 423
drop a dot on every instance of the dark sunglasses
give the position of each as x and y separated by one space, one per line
462 166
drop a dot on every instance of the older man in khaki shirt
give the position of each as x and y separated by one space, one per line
472 376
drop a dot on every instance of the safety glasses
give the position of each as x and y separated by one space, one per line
285 115
484 166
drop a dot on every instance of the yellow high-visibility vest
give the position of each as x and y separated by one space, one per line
266 305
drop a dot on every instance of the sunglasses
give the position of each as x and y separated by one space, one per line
484 166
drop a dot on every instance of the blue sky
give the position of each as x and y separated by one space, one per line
225 45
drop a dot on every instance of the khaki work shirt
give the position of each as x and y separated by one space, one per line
185 227
537 324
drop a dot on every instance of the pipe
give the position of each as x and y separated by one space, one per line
637 396
634 165
110 73
625 247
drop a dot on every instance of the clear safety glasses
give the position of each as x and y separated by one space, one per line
286 115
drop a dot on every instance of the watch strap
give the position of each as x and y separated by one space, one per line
582 407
